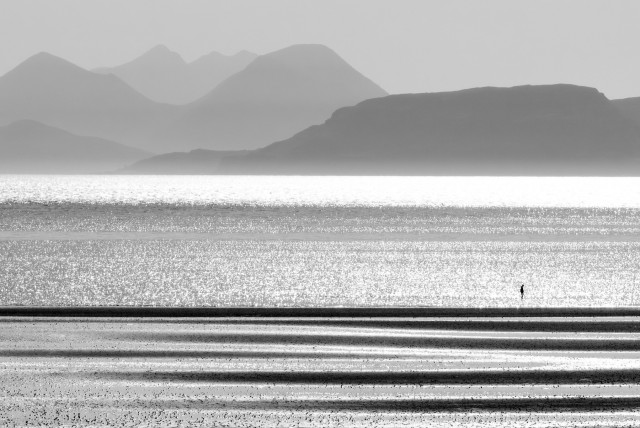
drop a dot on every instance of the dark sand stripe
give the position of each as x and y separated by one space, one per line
467 405
464 342
98 353
457 377
475 325
584 404
170 312
632 326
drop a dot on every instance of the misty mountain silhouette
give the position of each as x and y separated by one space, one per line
163 76
198 162
550 129
29 146
54 91
275 96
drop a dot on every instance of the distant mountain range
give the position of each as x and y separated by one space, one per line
323 115
53 91
27 146
554 129
163 76
274 97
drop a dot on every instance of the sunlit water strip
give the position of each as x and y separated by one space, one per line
604 192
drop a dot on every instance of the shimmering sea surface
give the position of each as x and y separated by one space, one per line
319 241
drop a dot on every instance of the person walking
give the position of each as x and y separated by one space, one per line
522 292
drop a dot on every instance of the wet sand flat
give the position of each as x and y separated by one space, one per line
535 368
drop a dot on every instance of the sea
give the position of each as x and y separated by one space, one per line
283 241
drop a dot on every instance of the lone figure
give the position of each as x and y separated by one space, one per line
522 292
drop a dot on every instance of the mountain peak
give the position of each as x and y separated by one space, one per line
56 92
299 74
160 49
157 56
43 56
306 47
44 62
25 123
303 56
279 93
23 127
164 76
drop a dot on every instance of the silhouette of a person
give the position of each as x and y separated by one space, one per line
522 292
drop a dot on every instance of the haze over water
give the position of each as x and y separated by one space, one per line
318 241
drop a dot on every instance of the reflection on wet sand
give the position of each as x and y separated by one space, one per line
544 370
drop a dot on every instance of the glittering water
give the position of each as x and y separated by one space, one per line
285 241
611 192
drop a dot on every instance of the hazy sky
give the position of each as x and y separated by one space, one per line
403 45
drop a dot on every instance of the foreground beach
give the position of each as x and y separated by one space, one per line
449 367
